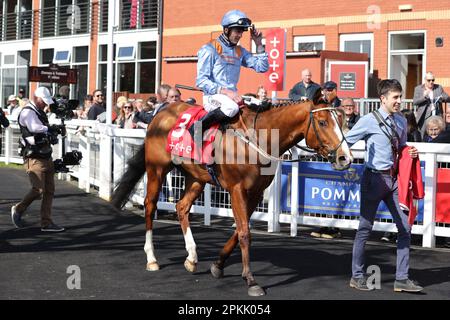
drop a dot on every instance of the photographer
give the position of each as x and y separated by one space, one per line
37 137
3 120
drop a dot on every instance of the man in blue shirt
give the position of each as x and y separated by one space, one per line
219 66
379 182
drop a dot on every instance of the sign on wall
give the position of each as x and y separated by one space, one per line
276 49
351 78
323 190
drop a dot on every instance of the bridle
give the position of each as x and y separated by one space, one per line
332 155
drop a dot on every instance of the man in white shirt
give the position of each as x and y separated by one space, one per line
37 152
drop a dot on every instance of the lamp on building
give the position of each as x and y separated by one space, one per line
439 41
405 7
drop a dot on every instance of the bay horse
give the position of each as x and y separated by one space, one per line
315 121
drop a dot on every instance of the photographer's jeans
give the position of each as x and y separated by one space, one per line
41 173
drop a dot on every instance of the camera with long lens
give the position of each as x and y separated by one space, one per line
72 158
64 110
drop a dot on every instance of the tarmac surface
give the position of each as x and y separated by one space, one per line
106 247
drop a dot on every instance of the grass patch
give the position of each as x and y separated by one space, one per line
10 166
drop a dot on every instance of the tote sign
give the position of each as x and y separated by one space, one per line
276 49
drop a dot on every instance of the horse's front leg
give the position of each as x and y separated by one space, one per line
240 206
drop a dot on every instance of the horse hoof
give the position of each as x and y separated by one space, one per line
216 271
256 291
190 266
152 266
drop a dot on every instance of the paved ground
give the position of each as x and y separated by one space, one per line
107 246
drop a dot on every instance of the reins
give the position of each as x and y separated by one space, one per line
331 155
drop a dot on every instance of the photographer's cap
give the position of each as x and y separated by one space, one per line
12 98
44 94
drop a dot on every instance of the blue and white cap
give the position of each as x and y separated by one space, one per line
236 19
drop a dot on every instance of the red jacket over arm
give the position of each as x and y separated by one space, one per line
410 183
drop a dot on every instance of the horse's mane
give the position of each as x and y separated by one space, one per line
270 106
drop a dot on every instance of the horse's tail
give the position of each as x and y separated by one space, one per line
135 170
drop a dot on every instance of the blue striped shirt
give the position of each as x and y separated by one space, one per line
378 146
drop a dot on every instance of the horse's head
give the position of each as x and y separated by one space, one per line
324 133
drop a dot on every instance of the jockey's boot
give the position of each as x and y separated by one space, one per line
209 119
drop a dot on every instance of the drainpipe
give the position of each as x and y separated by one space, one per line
109 73
159 44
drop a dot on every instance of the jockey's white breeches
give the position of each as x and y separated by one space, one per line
225 103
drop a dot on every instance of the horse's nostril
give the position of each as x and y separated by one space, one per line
342 159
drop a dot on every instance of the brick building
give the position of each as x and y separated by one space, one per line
403 39
74 33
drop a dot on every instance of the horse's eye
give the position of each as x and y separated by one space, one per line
322 123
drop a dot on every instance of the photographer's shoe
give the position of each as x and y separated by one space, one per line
16 218
407 285
52 228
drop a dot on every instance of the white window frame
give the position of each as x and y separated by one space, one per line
307 39
67 60
358 37
131 57
423 51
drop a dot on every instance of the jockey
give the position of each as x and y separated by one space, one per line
218 69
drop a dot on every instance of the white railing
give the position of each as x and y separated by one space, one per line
106 149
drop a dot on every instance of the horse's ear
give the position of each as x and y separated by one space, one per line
318 96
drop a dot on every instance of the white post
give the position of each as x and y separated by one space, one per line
82 168
207 206
429 212
294 193
105 188
110 73
89 137
8 144
273 223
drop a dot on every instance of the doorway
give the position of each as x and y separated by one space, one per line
407 59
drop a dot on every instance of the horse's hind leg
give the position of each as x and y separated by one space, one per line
193 189
154 183
218 266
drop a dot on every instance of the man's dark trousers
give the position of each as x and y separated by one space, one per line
374 188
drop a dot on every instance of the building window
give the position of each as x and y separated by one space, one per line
138 14
65 17
359 43
309 43
9 59
81 54
14 74
134 67
126 53
61 57
46 56
407 59
23 58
